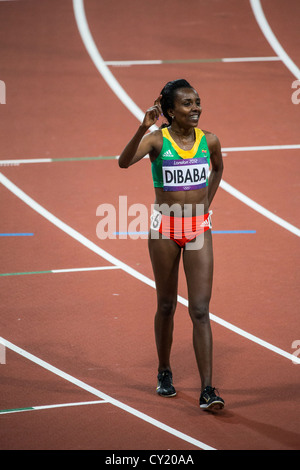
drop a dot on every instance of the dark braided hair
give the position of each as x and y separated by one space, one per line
168 96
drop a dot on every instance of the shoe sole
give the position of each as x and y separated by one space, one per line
216 405
166 396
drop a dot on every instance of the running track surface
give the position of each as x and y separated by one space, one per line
94 329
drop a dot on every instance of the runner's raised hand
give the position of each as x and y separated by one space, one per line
152 114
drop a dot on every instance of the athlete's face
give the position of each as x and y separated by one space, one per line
187 107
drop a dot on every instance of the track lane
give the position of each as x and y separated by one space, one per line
224 355
137 250
257 428
276 13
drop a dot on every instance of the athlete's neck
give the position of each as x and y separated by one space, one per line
183 133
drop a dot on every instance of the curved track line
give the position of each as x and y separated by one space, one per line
259 208
115 261
96 57
90 45
271 38
105 397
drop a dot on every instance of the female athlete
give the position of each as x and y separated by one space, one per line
180 155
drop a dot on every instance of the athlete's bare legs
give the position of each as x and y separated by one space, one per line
198 265
165 257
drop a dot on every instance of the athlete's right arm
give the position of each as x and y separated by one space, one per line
141 144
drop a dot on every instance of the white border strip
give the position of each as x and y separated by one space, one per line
99 62
258 208
251 59
96 57
119 91
132 272
76 270
271 38
28 160
48 407
105 397
261 147
129 63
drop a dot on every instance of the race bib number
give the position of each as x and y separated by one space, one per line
155 220
183 175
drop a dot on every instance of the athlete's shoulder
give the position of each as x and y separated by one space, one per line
212 140
154 135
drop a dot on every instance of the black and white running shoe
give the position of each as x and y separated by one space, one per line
164 384
210 401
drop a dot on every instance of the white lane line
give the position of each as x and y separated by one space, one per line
48 407
76 270
129 63
132 272
99 62
258 208
58 271
251 59
105 397
16 162
29 160
271 38
261 147
91 47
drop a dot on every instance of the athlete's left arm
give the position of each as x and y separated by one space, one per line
216 165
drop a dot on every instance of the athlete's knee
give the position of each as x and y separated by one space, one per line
166 307
199 312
